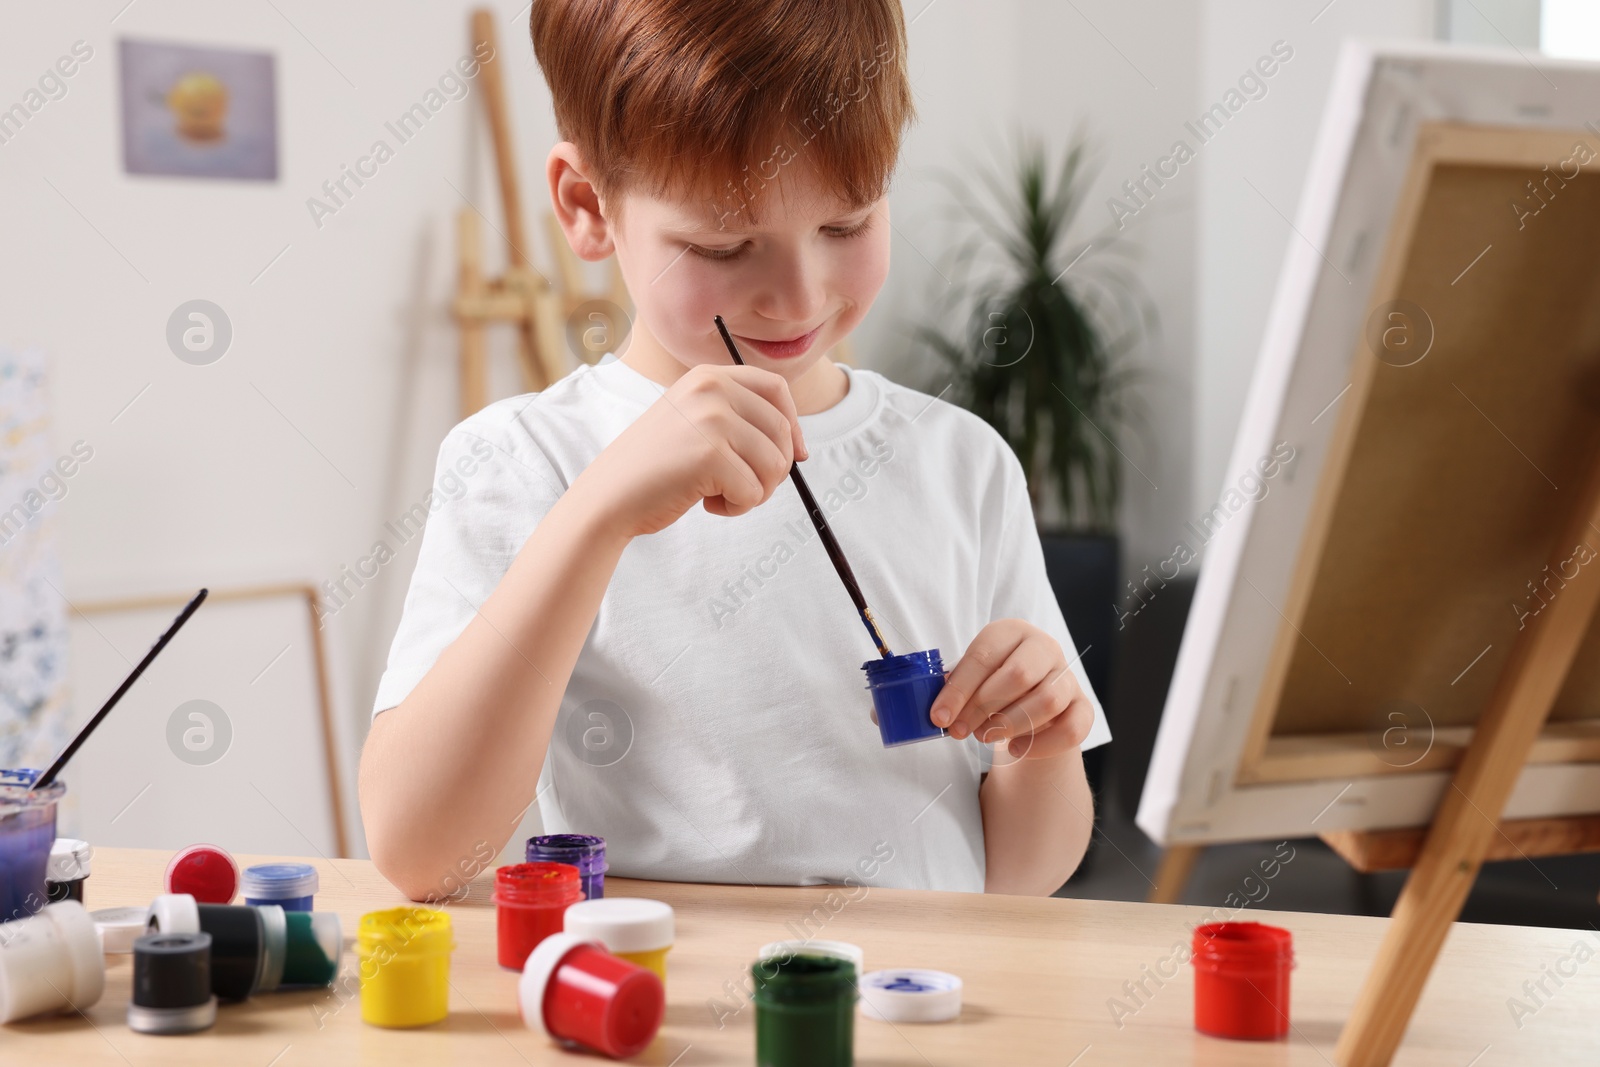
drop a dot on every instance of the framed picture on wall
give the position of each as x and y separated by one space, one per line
198 112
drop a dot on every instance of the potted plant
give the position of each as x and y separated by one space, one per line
1047 324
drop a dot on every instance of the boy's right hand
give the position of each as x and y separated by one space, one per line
723 434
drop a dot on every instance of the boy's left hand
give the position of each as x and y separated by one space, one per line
1014 684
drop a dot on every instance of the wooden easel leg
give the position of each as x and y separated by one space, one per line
1467 818
469 286
545 309
1177 863
320 659
537 372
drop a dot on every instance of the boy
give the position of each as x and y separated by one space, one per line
685 680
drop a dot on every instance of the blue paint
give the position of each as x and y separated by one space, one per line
584 851
27 830
903 984
903 689
291 886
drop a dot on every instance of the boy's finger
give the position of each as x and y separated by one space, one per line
756 407
1066 731
774 388
1028 664
988 650
766 459
1029 715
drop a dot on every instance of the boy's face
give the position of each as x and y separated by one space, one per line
808 271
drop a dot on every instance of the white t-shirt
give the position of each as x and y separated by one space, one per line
716 727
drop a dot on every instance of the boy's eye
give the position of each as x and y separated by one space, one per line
723 255
857 230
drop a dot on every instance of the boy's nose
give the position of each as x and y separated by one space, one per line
795 295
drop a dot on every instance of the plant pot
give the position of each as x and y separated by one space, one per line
1085 571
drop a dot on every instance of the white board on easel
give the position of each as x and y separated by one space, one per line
1379 577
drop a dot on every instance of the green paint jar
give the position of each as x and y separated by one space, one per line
805 1011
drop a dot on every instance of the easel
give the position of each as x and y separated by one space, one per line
1465 826
521 296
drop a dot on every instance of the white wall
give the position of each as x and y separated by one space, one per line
1251 175
1497 23
1099 62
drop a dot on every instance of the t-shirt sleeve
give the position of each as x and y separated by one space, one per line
1022 588
485 501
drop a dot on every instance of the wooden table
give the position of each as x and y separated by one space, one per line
1039 974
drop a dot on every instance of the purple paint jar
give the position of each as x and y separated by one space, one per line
27 830
903 689
584 851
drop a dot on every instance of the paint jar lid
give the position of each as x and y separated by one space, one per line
542 963
278 881
173 913
34 973
406 931
842 950
316 940
634 999
1242 948
119 928
205 872
910 995
584 851
537 884
274 947
171 970
69 860
622 924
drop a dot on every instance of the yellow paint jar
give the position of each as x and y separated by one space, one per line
639 930
404 957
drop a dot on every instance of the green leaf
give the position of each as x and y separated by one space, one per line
1043 354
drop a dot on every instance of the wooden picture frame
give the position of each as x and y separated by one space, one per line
272 784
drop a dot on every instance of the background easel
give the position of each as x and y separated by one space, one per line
521 296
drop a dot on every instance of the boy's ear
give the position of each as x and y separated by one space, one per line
577 204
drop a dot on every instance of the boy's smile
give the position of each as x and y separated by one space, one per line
787 348
790 286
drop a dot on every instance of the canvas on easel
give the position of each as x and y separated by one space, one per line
1401 635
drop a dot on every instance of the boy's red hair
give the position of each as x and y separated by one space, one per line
712 99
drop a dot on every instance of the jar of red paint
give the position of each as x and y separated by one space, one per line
1241 980
586 998
531 904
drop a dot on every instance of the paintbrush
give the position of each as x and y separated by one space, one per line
127 683
835 553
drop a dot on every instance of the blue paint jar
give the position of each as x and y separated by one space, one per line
288 885
27 830
903 688
584 851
